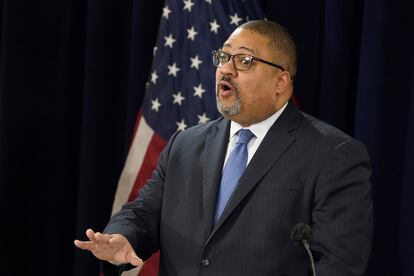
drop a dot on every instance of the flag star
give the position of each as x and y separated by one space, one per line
214 26
169 40
166 12
235 19
199 90
178 98
154 77
155 105
188 4
154 51
191 33
181 125
208 1
195 62
173 69
203 118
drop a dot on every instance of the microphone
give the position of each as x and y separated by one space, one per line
302 235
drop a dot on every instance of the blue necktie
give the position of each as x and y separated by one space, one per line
233 170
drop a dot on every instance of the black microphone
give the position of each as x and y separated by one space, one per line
302 235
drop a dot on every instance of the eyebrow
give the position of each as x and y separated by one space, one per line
251 50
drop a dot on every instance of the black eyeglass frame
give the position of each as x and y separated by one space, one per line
252 58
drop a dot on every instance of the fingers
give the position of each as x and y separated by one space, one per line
102 238
108 247
95 240
97 237
86 245
91 235
117 239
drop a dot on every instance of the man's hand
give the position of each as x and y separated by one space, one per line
112 248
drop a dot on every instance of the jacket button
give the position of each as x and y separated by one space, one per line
205 262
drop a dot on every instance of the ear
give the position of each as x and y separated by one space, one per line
284 81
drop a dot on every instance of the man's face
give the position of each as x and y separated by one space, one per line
247 97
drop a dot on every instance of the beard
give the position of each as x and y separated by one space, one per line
233 109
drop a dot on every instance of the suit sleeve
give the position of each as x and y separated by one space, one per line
139 220
342 214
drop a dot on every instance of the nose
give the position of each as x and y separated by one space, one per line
228 69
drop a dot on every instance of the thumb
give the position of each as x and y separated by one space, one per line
135 260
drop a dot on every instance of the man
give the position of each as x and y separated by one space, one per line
210 216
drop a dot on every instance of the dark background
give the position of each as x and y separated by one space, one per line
72 78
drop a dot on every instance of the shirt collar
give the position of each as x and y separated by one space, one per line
259 129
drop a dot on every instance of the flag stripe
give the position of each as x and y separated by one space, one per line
149 163
151 266
137 152
133 272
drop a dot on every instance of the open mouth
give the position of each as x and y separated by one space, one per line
225 88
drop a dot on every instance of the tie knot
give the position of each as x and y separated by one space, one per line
244 136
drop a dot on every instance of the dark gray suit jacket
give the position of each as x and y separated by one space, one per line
304 171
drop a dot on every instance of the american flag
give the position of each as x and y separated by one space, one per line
180 90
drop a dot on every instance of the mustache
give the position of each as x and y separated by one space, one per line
229 80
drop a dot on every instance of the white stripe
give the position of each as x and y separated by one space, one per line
133 164
132 272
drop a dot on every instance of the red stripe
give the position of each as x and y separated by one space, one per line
151 265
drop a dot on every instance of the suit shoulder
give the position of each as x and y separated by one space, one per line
329 134
202 129
192 140
323 128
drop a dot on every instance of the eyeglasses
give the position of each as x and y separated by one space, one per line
241 62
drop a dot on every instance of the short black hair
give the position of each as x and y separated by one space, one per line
280 40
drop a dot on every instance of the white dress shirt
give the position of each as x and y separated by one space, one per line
259 130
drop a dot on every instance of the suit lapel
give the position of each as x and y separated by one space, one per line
212 163
275 143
